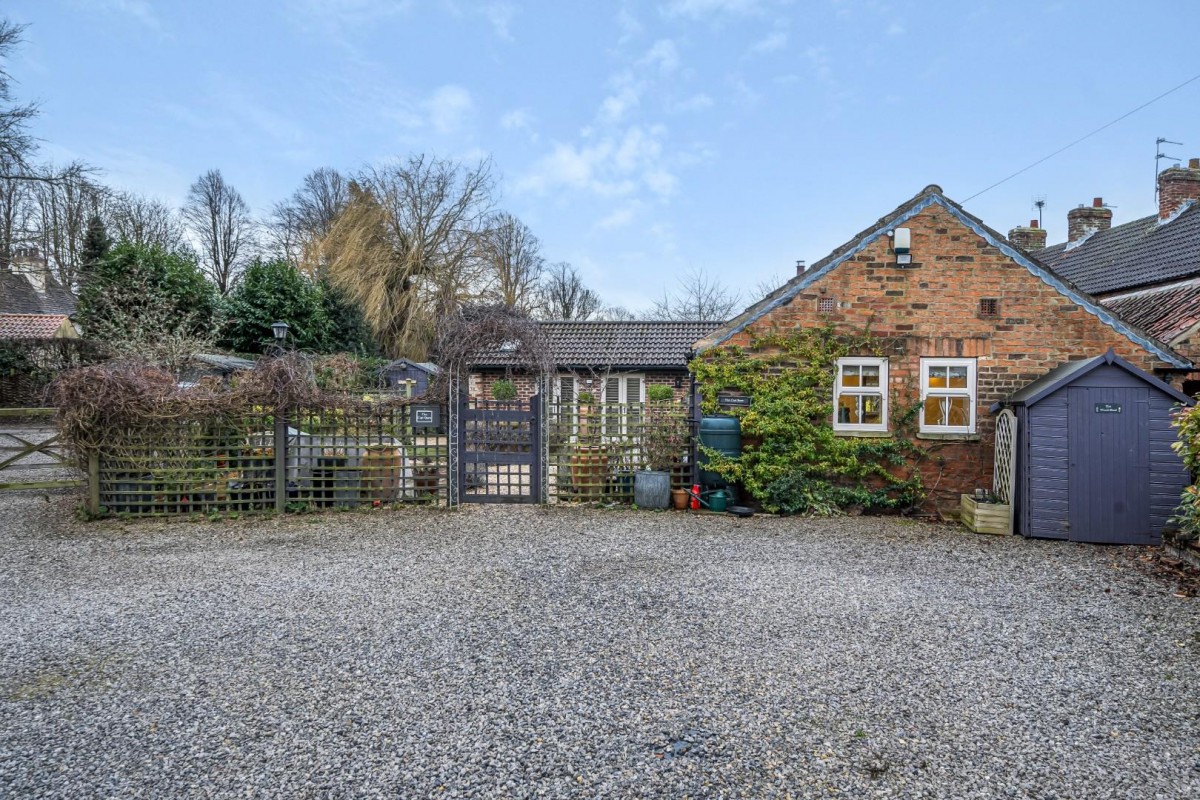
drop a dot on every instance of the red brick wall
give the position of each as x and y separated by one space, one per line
932 308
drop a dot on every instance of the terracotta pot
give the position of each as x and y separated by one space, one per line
679 499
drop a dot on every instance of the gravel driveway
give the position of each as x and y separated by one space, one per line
515 651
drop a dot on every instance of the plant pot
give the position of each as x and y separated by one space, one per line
679 499
652 489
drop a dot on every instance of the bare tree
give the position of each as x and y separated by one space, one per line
18 214
220 220
406 249
616 314
16 143
299 223
699 297
766 287
65 205
144 221
514 261
564 296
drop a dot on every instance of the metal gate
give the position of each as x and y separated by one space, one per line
500 451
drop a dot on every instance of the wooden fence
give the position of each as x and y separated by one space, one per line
335 457
595 449
32 455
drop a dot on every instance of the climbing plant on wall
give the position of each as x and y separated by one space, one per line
792 461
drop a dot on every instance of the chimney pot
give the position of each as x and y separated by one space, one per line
1083 220
1176 186
1033 223
799 266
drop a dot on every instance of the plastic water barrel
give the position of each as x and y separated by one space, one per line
723 434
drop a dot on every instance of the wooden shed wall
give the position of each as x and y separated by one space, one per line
1044 455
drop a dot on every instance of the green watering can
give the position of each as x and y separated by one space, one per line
714 500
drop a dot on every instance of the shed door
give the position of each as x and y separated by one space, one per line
1109 475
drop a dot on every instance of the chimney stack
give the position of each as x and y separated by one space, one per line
1028 239
1088 219
1176 186
800 266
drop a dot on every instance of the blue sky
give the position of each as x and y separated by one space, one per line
638 140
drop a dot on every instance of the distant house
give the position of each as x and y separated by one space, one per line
613 361
968 319
27 287
402 370
1147 270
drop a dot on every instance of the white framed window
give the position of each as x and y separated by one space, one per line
948 395
860 395
565 389
623 395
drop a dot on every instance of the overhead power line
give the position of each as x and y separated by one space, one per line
1082 138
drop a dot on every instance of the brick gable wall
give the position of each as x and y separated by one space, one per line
932 309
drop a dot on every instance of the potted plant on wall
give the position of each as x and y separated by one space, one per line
664 436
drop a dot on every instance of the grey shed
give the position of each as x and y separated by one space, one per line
419 372
1094 457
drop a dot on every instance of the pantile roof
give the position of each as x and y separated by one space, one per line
1165 312
635 344
36 326
1139 253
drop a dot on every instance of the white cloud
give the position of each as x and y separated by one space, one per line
896 29
616 165
662 54
500 14
629 25
138 10
697 9
617 219
697 102
448 108
818 58
614 107
516 120
776 40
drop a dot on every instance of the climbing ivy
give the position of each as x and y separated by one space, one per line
1187 515
792 461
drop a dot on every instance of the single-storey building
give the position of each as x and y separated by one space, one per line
613 361
403 370
968 319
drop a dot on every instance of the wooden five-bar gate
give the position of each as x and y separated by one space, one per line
32 455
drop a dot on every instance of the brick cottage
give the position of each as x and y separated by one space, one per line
968 319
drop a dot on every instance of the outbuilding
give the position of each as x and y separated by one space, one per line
418 373
1094 461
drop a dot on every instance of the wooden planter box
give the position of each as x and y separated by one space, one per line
985 517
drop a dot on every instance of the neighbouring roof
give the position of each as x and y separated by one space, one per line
1064 374
932 195
1168 313
36 326
224 363
630 344
1138 253
18 296
427 367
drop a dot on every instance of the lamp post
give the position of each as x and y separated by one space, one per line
280 331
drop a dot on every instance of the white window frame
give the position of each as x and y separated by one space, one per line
970 392
882 389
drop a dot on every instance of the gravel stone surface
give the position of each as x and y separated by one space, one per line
528 652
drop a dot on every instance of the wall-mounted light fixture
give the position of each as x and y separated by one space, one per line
902 245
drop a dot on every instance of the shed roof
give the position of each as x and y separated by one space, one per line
624 344
427 367
1139 253
36 327
1067 373
224 362
932 195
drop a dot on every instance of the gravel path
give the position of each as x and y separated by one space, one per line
514 651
